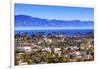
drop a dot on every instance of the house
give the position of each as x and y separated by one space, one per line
58 51
33 46
49 41
47 49
19 55
27 49
77 53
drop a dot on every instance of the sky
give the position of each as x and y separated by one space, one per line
55 12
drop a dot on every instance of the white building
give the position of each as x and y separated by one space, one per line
27 49
46 49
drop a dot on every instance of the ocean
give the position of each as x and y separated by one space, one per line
56 31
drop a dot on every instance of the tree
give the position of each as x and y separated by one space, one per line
30 61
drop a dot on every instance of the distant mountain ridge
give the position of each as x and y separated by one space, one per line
28 21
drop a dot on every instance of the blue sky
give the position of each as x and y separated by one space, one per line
55 12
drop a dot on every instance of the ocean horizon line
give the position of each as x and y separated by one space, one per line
54 28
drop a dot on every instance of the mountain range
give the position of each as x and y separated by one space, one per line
29 21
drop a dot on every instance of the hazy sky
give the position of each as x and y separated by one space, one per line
55 12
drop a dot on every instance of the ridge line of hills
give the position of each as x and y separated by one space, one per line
28 21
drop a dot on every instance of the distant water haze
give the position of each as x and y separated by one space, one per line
40 28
